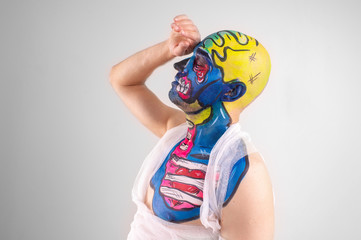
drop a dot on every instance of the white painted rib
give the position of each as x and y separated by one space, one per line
189 164
180 196
199 183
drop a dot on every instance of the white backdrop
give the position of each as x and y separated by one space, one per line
70 150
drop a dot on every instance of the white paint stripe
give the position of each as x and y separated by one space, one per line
222 113
180 196
186 180
189 164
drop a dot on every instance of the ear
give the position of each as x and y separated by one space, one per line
233 91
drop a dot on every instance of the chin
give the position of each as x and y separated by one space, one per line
178 101
174 98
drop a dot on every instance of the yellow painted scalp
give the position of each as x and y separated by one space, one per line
240 58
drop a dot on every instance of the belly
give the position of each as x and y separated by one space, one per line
149 202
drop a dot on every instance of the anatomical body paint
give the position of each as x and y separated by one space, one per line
178 184
207 87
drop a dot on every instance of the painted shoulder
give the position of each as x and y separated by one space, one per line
239 170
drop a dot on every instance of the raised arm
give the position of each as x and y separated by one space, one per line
129 76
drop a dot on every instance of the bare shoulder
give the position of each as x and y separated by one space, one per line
250 213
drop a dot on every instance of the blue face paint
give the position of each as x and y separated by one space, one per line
197 81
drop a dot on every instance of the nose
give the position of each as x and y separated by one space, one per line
179 66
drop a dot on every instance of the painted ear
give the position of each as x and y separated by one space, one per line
233 91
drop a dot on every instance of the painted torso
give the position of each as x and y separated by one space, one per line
178 183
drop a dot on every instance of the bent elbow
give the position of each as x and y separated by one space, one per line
116 77
112 76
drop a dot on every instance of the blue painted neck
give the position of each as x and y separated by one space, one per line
208 132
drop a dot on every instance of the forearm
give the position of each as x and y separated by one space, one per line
136 69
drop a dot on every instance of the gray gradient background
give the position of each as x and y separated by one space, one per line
70 150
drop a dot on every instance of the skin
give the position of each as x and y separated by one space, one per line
250 213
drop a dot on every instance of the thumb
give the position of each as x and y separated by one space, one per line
184 46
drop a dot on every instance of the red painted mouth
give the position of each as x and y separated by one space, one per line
184 87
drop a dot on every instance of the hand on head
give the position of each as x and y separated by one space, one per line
184 36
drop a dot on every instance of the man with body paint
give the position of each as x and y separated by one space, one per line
226 72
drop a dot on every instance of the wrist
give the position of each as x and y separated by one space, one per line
167 50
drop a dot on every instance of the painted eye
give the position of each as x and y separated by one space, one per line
201 69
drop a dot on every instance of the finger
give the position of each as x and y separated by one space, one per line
184 21
187 26
181 48
194 35
190 28
180 17
175 27
185 47
177 52
190 42
184 44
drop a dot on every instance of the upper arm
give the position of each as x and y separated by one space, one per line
250 213
148 109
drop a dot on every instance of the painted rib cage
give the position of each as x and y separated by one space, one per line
182 185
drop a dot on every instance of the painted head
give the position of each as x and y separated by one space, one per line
227 67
